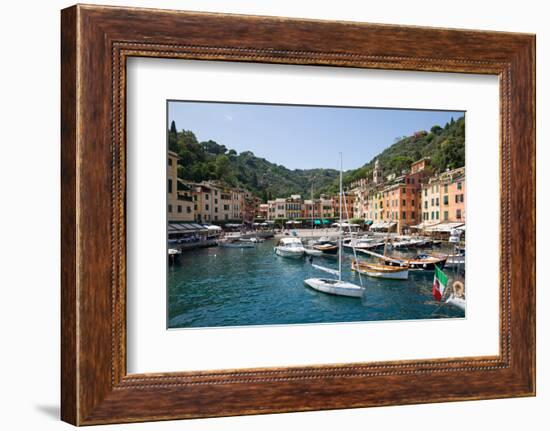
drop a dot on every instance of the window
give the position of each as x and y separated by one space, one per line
425 192
188 210
412 215
412 203
412 180
215 209
169 185
437 215
433 200
404 215
436 202
445 188
404 190
446 200
206 207
180 209
404 202
459 214
432 215
169 208
446 215
459 185
426 205
206 196
169 161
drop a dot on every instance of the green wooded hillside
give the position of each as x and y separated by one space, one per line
209 160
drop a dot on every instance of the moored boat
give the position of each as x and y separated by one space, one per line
381 271
235 243
326 247
310 251
290 247
457 298
335 287
422 262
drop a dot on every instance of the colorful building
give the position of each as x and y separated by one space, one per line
348 204
179 196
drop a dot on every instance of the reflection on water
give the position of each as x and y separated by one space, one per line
235 287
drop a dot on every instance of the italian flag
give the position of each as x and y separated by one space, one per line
440 283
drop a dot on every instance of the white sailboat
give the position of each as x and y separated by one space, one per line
336 286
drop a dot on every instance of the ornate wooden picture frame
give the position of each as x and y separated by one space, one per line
96 41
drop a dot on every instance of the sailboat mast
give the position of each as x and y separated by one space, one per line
340 227
312 203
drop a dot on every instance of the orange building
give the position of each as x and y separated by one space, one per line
348 205
453 193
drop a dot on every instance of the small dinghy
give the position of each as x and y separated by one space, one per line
326 247
457 298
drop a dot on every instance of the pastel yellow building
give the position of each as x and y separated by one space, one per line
179 195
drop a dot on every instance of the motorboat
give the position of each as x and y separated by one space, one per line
378 270
362 244
457 260
290 247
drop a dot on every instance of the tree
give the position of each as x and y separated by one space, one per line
173 137
436 130
221 166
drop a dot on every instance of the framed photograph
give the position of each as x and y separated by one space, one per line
266 215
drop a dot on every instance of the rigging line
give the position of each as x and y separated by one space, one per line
351 236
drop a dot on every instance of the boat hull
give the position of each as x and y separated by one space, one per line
418 265
457 302
292 254
326 249
378 271
313 252
335 287
237 245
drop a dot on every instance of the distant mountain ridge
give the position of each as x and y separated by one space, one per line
209 160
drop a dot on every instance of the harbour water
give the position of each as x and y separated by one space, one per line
217 286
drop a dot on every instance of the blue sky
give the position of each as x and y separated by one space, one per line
303 136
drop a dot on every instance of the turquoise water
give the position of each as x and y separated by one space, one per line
253 286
